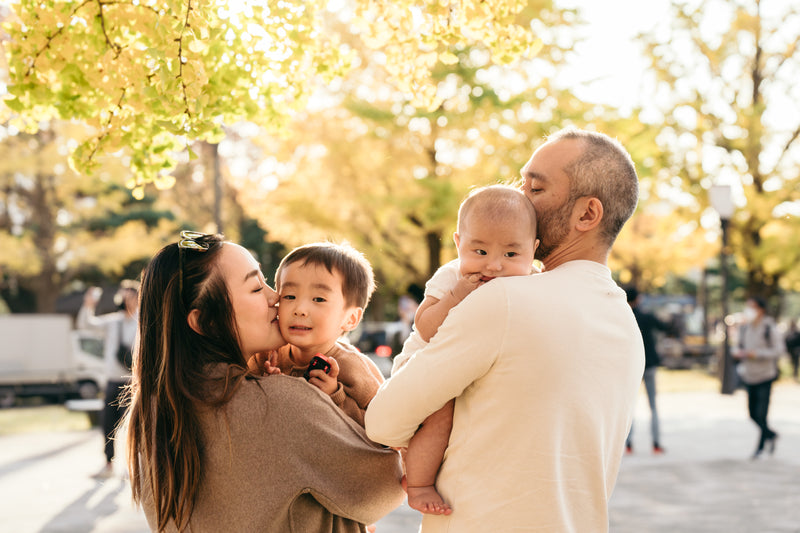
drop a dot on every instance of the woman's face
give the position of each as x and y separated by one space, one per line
253 301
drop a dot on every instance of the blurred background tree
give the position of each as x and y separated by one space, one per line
59 226
727 108
149 75
370 121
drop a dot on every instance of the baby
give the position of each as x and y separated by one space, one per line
495 237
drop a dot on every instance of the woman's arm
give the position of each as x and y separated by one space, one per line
343 470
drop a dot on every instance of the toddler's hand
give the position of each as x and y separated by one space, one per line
264 363
327 383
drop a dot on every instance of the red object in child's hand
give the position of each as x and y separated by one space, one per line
318 362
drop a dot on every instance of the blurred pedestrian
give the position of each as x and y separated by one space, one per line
793 345
759 347
648 324
119 330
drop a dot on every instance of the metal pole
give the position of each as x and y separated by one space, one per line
728 368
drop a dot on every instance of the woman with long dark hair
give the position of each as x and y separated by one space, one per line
212 447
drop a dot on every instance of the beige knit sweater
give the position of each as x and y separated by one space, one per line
281 457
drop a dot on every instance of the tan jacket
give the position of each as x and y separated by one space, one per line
359 378
281 457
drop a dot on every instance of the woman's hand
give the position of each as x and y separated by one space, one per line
327 383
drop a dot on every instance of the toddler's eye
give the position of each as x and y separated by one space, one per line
319 299
480 252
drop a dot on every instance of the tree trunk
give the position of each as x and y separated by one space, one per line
433 239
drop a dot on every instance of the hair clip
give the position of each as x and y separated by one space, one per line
188 241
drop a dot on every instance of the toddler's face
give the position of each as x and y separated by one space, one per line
313 312
496 249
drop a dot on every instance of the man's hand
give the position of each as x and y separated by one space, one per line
327 383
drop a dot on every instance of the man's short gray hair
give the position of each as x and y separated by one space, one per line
605 171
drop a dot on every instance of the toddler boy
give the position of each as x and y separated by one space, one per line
324 289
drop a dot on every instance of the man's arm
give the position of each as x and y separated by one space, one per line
463 350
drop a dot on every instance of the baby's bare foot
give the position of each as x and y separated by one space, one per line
427 500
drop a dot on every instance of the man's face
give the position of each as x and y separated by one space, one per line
547 186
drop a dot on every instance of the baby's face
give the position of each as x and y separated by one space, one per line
496 248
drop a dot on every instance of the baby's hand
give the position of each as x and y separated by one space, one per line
327 383
466 285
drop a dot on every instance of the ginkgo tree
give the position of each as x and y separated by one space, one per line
373 168
726 107
150 76
57 227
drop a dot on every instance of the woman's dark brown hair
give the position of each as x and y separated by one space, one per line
170 374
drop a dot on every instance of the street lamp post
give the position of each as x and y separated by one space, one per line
722 202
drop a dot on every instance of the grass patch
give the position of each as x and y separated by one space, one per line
40 419
692 380
701 379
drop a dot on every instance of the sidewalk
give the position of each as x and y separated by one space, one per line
705 483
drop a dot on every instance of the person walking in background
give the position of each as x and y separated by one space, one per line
793 345
648 324
119 332
759 347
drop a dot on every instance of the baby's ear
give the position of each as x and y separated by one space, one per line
352 318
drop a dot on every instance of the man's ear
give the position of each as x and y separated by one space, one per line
589 211
194 321
352 318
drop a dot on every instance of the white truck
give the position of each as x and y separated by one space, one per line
41 355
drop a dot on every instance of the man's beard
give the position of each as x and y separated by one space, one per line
552 228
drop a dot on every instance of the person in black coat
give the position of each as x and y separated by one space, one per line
792 341
648 325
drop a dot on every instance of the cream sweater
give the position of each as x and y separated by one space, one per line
545 370
281 457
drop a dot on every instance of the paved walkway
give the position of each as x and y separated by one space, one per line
705 483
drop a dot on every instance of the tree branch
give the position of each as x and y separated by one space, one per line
181 59
52 38
112 45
